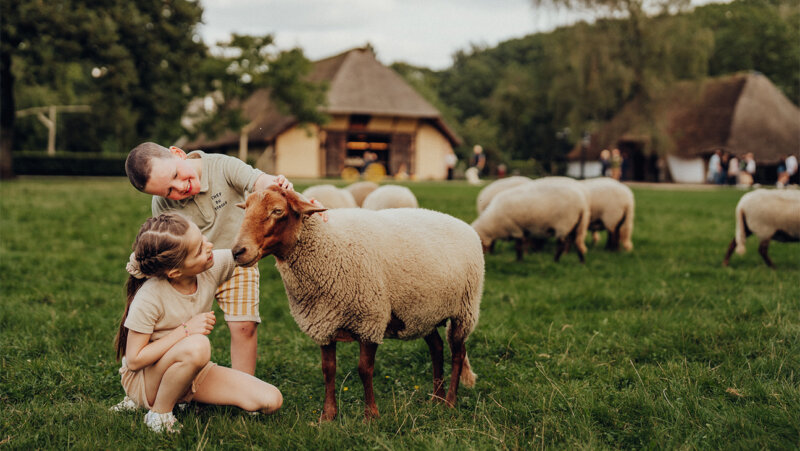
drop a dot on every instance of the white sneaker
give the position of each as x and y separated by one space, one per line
161 422
126 405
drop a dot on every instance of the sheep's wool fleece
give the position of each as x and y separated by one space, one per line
538 208
491 190
360 190
330 196
390 196
609 200
361 266
766 211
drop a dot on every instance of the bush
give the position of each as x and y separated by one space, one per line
69 163
529 168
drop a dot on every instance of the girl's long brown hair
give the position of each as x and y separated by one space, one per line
158 248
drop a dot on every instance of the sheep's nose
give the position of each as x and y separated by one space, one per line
237 251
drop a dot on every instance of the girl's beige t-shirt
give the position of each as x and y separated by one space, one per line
158 308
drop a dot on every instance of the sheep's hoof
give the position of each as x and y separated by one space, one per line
326 417
371 414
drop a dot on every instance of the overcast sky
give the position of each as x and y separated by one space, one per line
420 32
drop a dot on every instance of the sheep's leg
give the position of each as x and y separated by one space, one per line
436 347
520 246
329 373
728 254
560 248
763 246
458 352
366 366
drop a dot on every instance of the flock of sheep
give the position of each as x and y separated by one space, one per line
392 270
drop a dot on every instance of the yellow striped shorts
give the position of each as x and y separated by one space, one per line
238 297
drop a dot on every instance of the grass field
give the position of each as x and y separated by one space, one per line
658 348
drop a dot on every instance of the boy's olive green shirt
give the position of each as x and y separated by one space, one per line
223 183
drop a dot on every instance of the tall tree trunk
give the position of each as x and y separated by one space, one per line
7 113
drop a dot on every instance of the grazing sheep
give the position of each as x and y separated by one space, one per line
365 275
612 206
390 196
489 191
330 196
360 190
538 210
770 215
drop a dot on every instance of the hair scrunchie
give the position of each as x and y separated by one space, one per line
133 267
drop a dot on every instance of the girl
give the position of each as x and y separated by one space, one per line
162 335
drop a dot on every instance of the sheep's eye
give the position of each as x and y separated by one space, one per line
277 212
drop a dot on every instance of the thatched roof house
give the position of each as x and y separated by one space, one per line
739 113
372 109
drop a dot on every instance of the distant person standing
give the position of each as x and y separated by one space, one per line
786 171
605 162
733 170
722 175
450 161
616 164
747 175
478 160
714 166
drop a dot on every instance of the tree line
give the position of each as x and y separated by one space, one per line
147 75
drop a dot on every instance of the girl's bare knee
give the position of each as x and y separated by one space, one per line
198 350
273 400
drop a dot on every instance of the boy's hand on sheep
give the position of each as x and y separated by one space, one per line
283 182
202 323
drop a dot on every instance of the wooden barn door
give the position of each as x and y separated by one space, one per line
401 152
335 151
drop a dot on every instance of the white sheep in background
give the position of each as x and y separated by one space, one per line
365 275
612 208
537 210
769 215
360 190
330 196
489 191
390 196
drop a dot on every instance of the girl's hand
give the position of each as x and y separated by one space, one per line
283 182
202 323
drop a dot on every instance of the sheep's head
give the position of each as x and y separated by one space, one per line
272 220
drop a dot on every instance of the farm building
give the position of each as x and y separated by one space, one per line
739 113
374 114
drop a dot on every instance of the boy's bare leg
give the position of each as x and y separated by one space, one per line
244 346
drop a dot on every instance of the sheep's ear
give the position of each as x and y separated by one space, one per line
241 205
299 204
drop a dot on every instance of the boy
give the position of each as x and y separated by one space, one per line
206 188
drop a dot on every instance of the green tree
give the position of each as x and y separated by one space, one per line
140 54
248 63
760 35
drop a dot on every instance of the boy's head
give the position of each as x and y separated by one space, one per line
156 170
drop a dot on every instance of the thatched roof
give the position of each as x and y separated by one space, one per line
740 113
357 84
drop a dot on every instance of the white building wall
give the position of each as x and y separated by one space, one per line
431 148
590 169
685 170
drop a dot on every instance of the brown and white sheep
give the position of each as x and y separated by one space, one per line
365 275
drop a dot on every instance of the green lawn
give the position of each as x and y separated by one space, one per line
658 348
